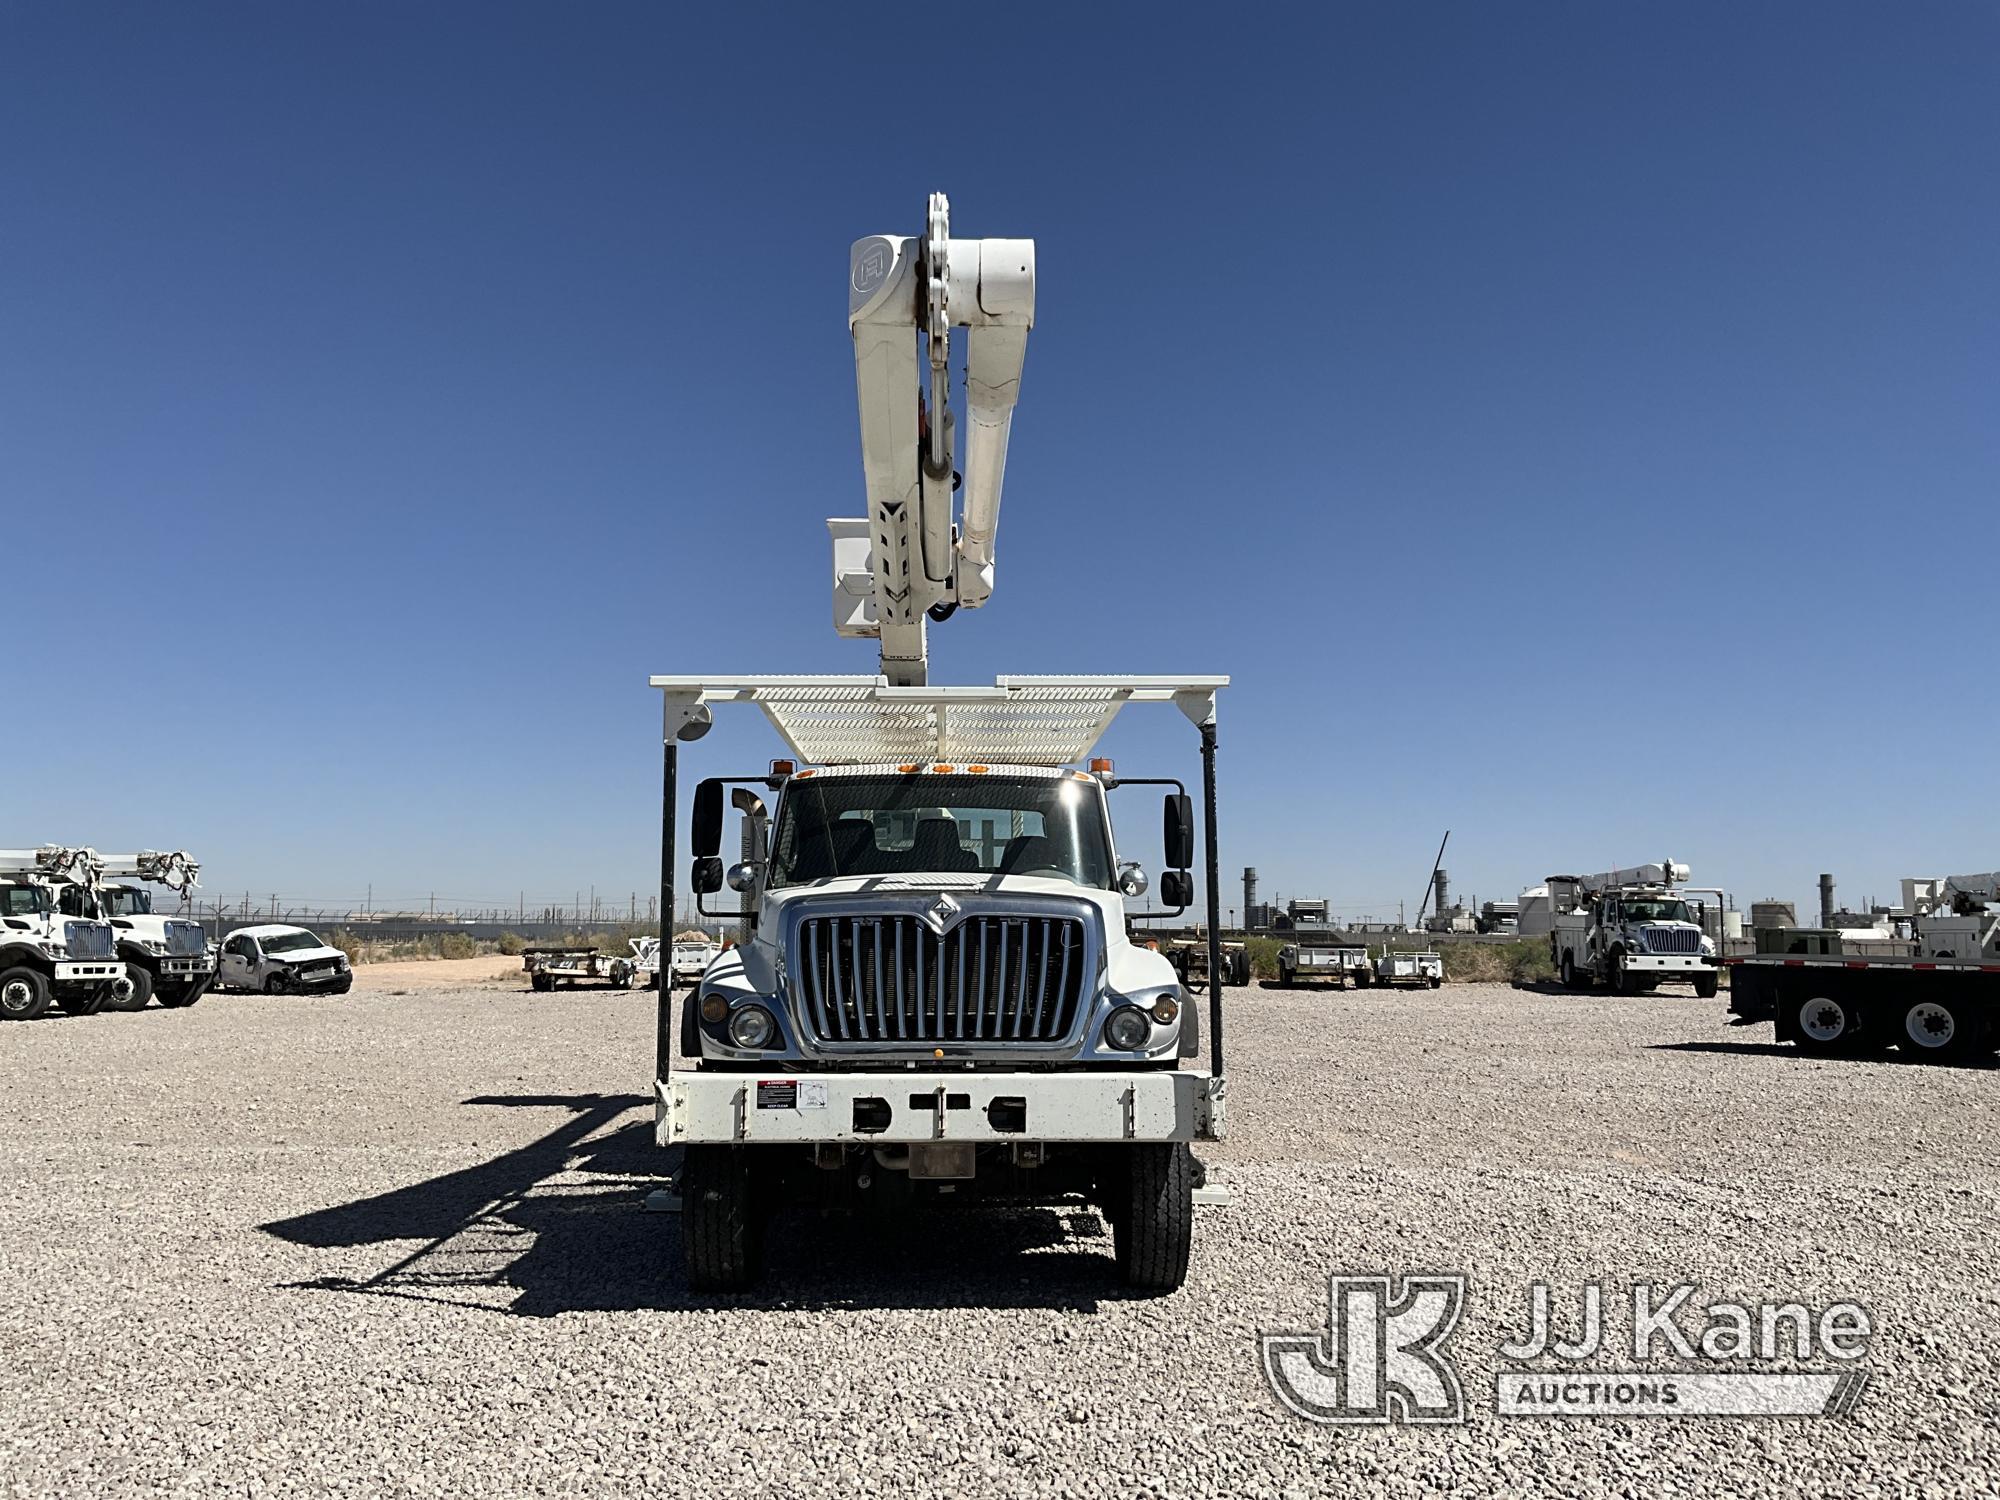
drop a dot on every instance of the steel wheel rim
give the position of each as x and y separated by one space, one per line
1930 1025
16 995
1822 1019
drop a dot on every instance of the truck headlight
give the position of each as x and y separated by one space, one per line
1708 947
1635 943
1128 1029
752 1028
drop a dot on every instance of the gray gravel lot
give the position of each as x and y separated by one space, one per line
391 1244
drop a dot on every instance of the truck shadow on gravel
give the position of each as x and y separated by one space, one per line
556 1226
1881 1056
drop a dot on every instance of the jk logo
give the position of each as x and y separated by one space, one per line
1379 1359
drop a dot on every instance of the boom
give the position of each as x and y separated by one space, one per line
909 559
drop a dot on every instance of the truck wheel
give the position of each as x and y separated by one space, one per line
184 996
1566 972
1937 1032
278 984
1155 1224
720 1233
142 990
1707 986
1622 981
88 1002
1285 977
1825 1025
24 994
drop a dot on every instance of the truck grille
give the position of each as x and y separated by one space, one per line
889 978
186 940
88 939
1672 940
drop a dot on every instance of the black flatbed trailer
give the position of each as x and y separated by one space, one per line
1936 1009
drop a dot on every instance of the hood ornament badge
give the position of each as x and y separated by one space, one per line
942 914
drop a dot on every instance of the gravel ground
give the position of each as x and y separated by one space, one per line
391 1244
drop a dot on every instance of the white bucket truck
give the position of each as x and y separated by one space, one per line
46 956
1633 930
936 997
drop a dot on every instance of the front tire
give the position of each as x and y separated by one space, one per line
181 998
277 984
1154 1227
84 1002
1622 980
142 990
1707 986
24 995
720 1231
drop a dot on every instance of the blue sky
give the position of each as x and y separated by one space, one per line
1570 424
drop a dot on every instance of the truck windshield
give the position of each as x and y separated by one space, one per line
128 903
931 824
1656 911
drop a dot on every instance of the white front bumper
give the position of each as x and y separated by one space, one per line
185 968
803 1108
1668 963
88 970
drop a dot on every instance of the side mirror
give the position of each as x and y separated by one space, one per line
742 877
706 835
1177 888
1132 880
707 875
1179 833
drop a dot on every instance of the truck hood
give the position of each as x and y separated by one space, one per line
973 890
304 955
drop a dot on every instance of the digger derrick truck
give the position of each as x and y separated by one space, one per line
47 956
166 957
1632 930
935 997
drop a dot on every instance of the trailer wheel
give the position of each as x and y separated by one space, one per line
1935 1031
1285 977
1707 986
142 990
540 982
1154 1226
1433 981
24 994
720 1232
1363 978
1825 1025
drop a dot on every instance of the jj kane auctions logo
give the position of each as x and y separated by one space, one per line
1383 1356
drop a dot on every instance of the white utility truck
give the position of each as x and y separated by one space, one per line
46 956
1940 1003
167 957
1632 929
937 998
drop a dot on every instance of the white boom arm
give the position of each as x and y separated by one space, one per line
54 862
907 559
176 871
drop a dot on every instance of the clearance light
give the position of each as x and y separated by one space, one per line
909 770
783 767
804 774
942 770
976 770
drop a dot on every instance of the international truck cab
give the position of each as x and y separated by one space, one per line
48 956
167 957
1632 930
936 995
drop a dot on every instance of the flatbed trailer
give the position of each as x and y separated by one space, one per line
548 968
1338 964
1936 1009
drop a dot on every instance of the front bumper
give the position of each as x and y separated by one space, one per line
88 970
331 980
1668 963
807 1108
185 968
